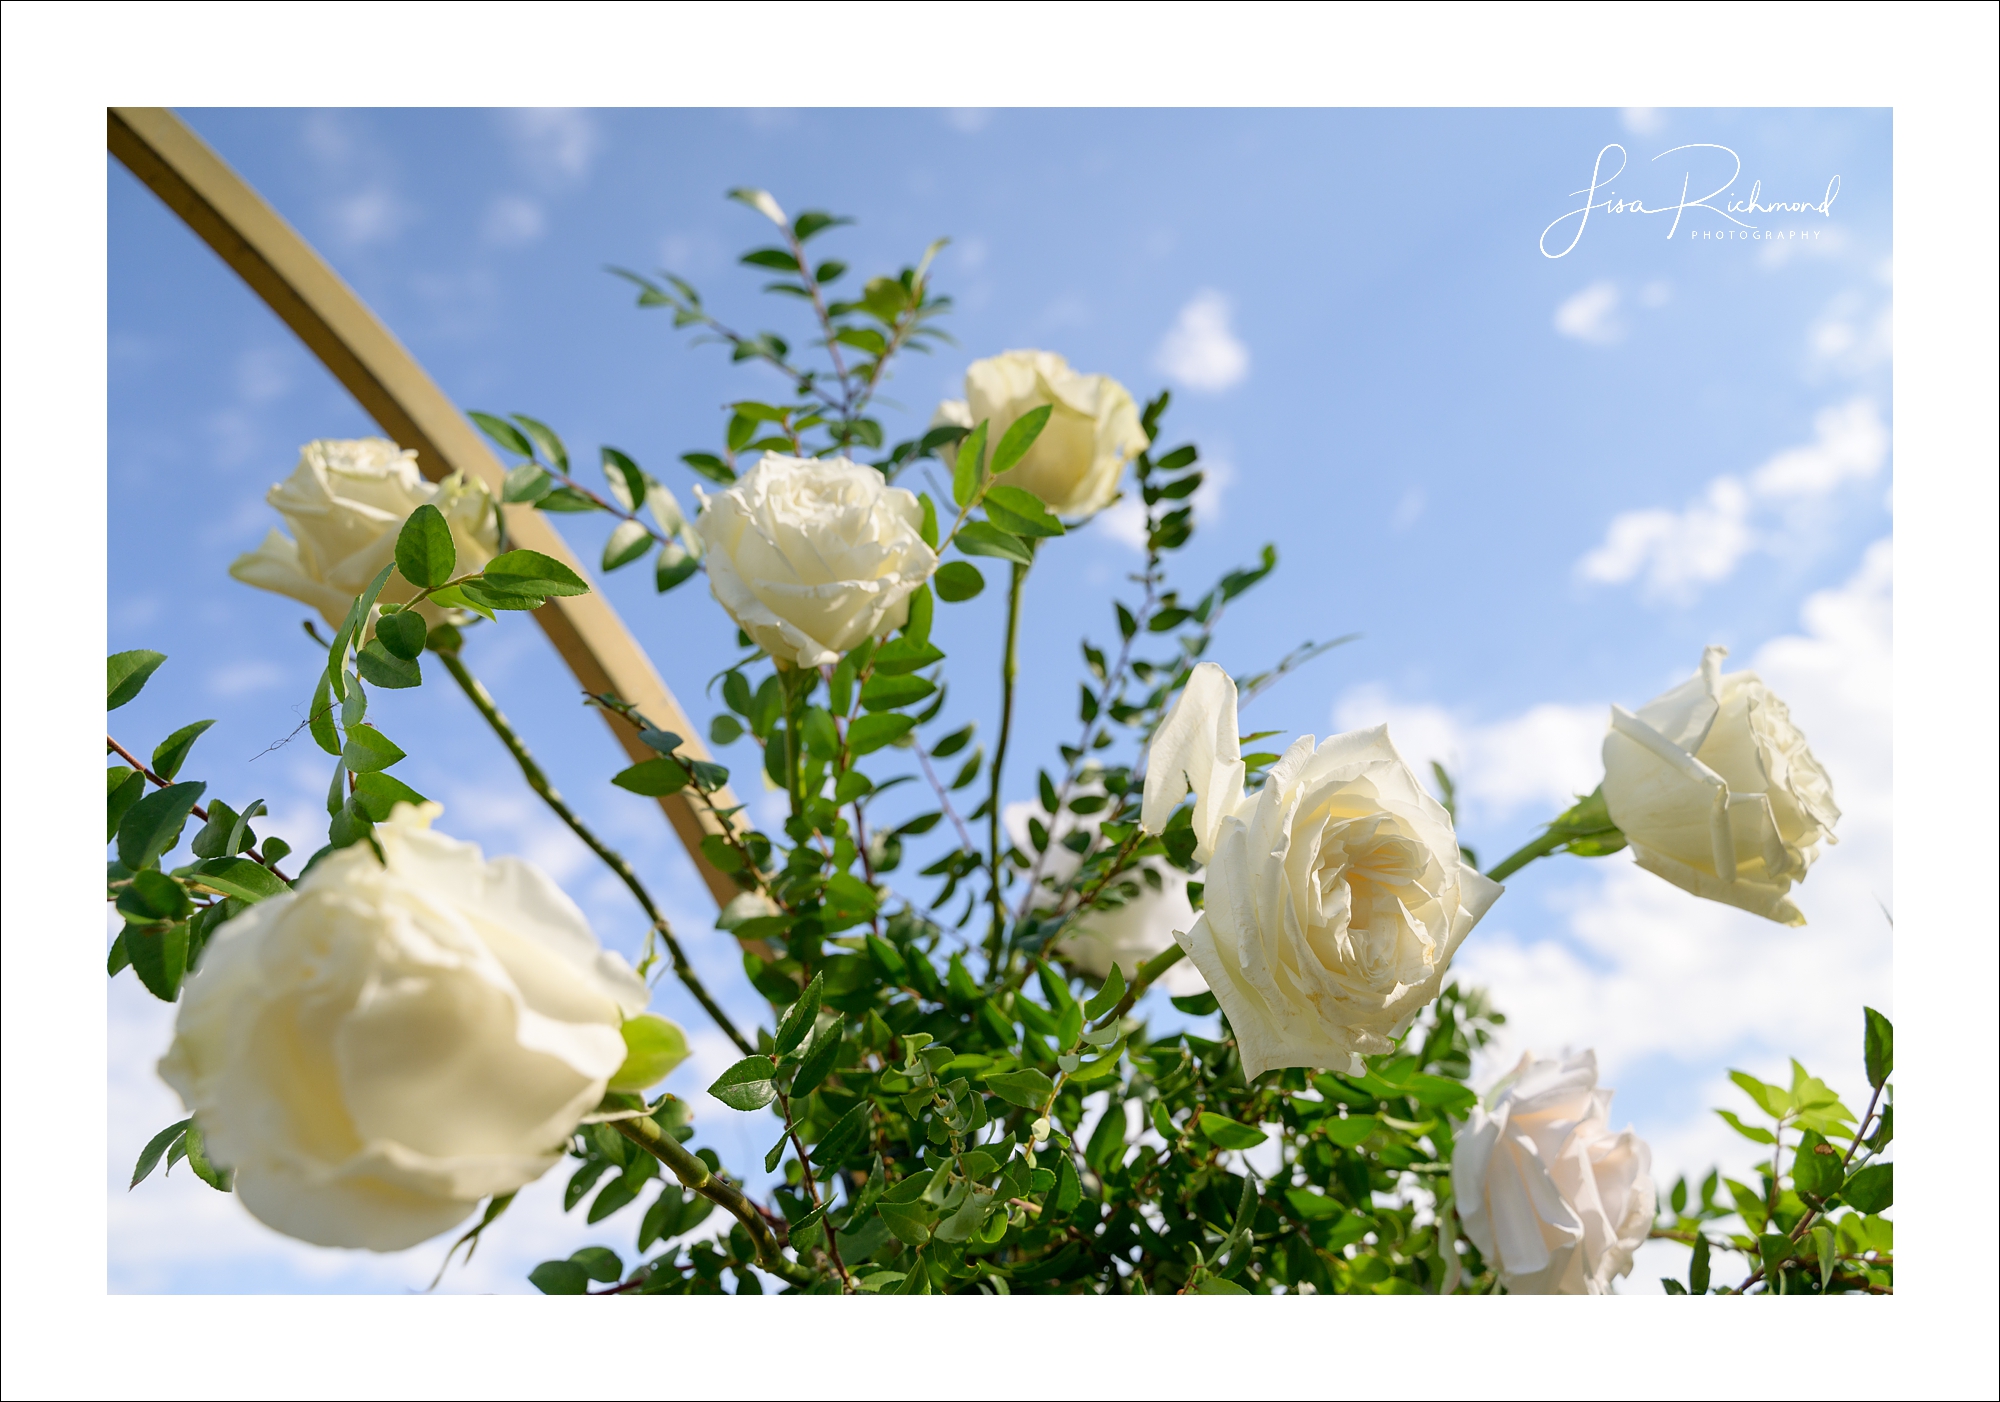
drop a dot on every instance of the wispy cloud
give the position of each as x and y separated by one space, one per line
1201 352
557 145
969 120
513 221
370 216
1673 554
1643 121
1591 316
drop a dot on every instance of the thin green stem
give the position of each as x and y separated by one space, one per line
482 701
645 1131
1009 670
1548 843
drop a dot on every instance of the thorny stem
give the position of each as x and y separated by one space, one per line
482 701
199 811
645 1131
1009 669
944 799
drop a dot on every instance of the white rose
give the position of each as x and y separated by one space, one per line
813 555
1081 452
1335 897
1554 1201
1127 935
380 1048
1716 791
346 502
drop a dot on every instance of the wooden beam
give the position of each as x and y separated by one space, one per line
352 342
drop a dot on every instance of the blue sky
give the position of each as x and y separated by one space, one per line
1535 485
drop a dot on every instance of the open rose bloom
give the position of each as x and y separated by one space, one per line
812 556
346 503
1554 1200
1716 790
1336 896
383 1046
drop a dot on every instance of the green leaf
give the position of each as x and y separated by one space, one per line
968 466
153 897
1028 1088
1878 1043
980 538
900 656
124 787
149 1157
655 778
559 1278
220 1179
153 824
1871 1189
1019 512
380 667
172 752
379 793
403 633
503 433
545 439
1226 1133
799 1021
818 1062
240 878
909 1223
628 484
957 581
1019 437
425 554
927 527
1750 1132
747 1085
368 749
1698 1267
885 693
1815 1167
522 578
847 1134
1772 1100
1106 998
629 540
127 674
871 733
158 958
1196 1004
320 719
710 466
529 482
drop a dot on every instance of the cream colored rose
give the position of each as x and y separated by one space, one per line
1335 897
383 1046
1126 935
1715 789
1081 452
813 555
345 503
1554 1201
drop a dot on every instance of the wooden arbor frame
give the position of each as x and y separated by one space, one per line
351 341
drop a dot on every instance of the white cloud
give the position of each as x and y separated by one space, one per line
1677 552
1643 121
1201 352
1655 294
1669 990
556 144
373 215
1591 316
969 120
242 678
1409 510
513 221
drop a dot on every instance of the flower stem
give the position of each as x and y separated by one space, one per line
645 1131
1009 669
1549 842
483 702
